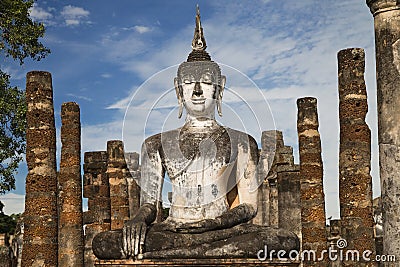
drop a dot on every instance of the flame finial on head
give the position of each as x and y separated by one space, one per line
199 42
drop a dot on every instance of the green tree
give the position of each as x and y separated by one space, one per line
19 39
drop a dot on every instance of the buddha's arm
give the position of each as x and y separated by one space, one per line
247 184
151 181
152 173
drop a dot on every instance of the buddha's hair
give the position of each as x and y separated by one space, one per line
198 67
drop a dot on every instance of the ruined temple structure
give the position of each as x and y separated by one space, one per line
56 232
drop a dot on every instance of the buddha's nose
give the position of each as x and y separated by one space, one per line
197 89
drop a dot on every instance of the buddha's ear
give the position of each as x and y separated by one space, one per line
178 92
222 86
220 94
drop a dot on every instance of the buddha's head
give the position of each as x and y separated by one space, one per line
199 84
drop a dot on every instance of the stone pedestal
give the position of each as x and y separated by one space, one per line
70 224
311 180
198 262
387 45
355 182
40 216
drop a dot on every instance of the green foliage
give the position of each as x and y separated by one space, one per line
12 131
8 223
19 34
19 39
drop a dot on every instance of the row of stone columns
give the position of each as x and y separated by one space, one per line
53 229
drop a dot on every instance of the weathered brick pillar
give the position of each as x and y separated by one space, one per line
334 234
116 171
273 202
311 180
70 224
387 45
40 216
96 188
267 155
273 143
133 176
355 182
289 197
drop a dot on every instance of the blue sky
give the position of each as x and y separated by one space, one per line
106 55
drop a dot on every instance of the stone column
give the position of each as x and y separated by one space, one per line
387 45
96 188
271 144
355 182
116 171
334 234
40 216
70 224
289 198
311 180
266 168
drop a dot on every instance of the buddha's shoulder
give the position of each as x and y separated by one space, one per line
241 137
158 139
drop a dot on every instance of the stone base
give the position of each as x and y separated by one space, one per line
195 262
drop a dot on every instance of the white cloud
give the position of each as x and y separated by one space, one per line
72 22
106 75
79 97
142 29
39 14
13 203
74 16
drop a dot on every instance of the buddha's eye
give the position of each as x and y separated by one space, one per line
188 80
206 78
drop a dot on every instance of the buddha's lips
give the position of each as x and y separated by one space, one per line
199 101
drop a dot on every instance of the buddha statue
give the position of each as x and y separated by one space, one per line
209 165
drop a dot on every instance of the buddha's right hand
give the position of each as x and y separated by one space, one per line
134 231
134 234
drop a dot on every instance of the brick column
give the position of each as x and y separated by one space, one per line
289 198
387 47
70 224
116 171
355 182
40 216
311 176
96 188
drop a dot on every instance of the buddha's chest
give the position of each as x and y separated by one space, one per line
194 156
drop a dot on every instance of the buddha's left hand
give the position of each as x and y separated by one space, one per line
199 227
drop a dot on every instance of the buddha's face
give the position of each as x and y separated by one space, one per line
199 87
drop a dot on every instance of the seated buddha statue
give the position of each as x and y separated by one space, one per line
207 164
